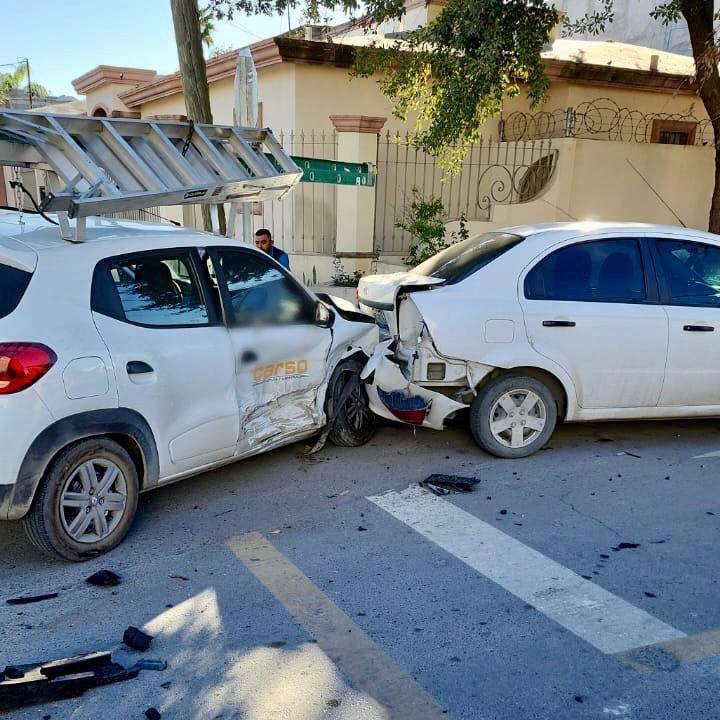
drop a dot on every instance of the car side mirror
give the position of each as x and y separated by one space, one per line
324 316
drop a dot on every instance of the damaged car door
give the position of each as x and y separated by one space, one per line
281 338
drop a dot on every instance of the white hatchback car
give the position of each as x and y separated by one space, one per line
148 354
531 325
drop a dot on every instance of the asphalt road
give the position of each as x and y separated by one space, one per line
295 596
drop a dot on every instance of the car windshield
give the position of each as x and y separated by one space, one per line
458 261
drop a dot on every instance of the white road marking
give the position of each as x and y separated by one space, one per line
593 614
714 454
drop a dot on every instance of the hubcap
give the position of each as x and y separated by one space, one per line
93 501
517 418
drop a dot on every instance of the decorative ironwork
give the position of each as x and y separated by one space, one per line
601 119
492 173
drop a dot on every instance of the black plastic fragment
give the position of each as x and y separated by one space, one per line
31 599
152 714
104 578
137 639
60 679
625 546
449 483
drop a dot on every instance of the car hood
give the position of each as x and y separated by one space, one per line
380 291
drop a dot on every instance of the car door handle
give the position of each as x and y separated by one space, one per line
249 356
558 323
698 328
138 367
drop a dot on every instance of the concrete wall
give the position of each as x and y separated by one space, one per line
595 181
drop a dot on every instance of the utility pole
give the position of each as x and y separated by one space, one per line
27 70
186 21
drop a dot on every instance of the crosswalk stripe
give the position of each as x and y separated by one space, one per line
602 619
363 661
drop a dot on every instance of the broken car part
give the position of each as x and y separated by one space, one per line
136 639
58 680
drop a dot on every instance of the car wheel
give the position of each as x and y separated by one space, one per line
86 501
513 416
354 422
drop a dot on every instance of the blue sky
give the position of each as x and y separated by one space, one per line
65 38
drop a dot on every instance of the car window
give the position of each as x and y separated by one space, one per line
259 292
692 272
150 289
597 271
465 258
13 284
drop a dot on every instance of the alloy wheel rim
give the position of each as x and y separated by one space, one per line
93 501
517 418
357 409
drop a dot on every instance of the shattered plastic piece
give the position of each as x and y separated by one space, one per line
625 452
451 483
31 599
362 529
178 577
13 673
103 578
625 546
156 665
650 595
60 679
165 685
434 489
152 714
137 639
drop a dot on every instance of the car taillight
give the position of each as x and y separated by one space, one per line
22 364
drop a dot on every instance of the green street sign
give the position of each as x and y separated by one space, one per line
334 172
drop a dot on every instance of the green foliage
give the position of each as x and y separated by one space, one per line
341 278
425 220
207 27
15 80
453 74
313 10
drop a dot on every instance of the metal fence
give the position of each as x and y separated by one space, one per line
305 221
603 119
491 173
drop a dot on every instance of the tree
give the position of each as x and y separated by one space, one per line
188 37
15 80
207 27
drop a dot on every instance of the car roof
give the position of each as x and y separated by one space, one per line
120 235
556 232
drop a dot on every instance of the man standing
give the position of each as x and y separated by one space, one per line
264 241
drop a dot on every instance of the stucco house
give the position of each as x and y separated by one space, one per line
621 126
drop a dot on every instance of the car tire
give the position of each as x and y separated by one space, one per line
513 416
354 423
78 474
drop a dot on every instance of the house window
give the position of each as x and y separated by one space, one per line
673 132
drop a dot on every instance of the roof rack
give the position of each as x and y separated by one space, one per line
109 165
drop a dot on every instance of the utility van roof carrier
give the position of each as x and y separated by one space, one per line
107 165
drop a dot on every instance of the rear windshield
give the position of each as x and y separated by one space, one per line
13 283
458 261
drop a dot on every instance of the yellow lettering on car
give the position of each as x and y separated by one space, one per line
281 369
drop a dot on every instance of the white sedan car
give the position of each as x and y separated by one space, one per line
532 325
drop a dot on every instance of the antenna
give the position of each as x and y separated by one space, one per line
657 194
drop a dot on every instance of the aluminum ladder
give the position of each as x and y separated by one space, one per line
107 165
